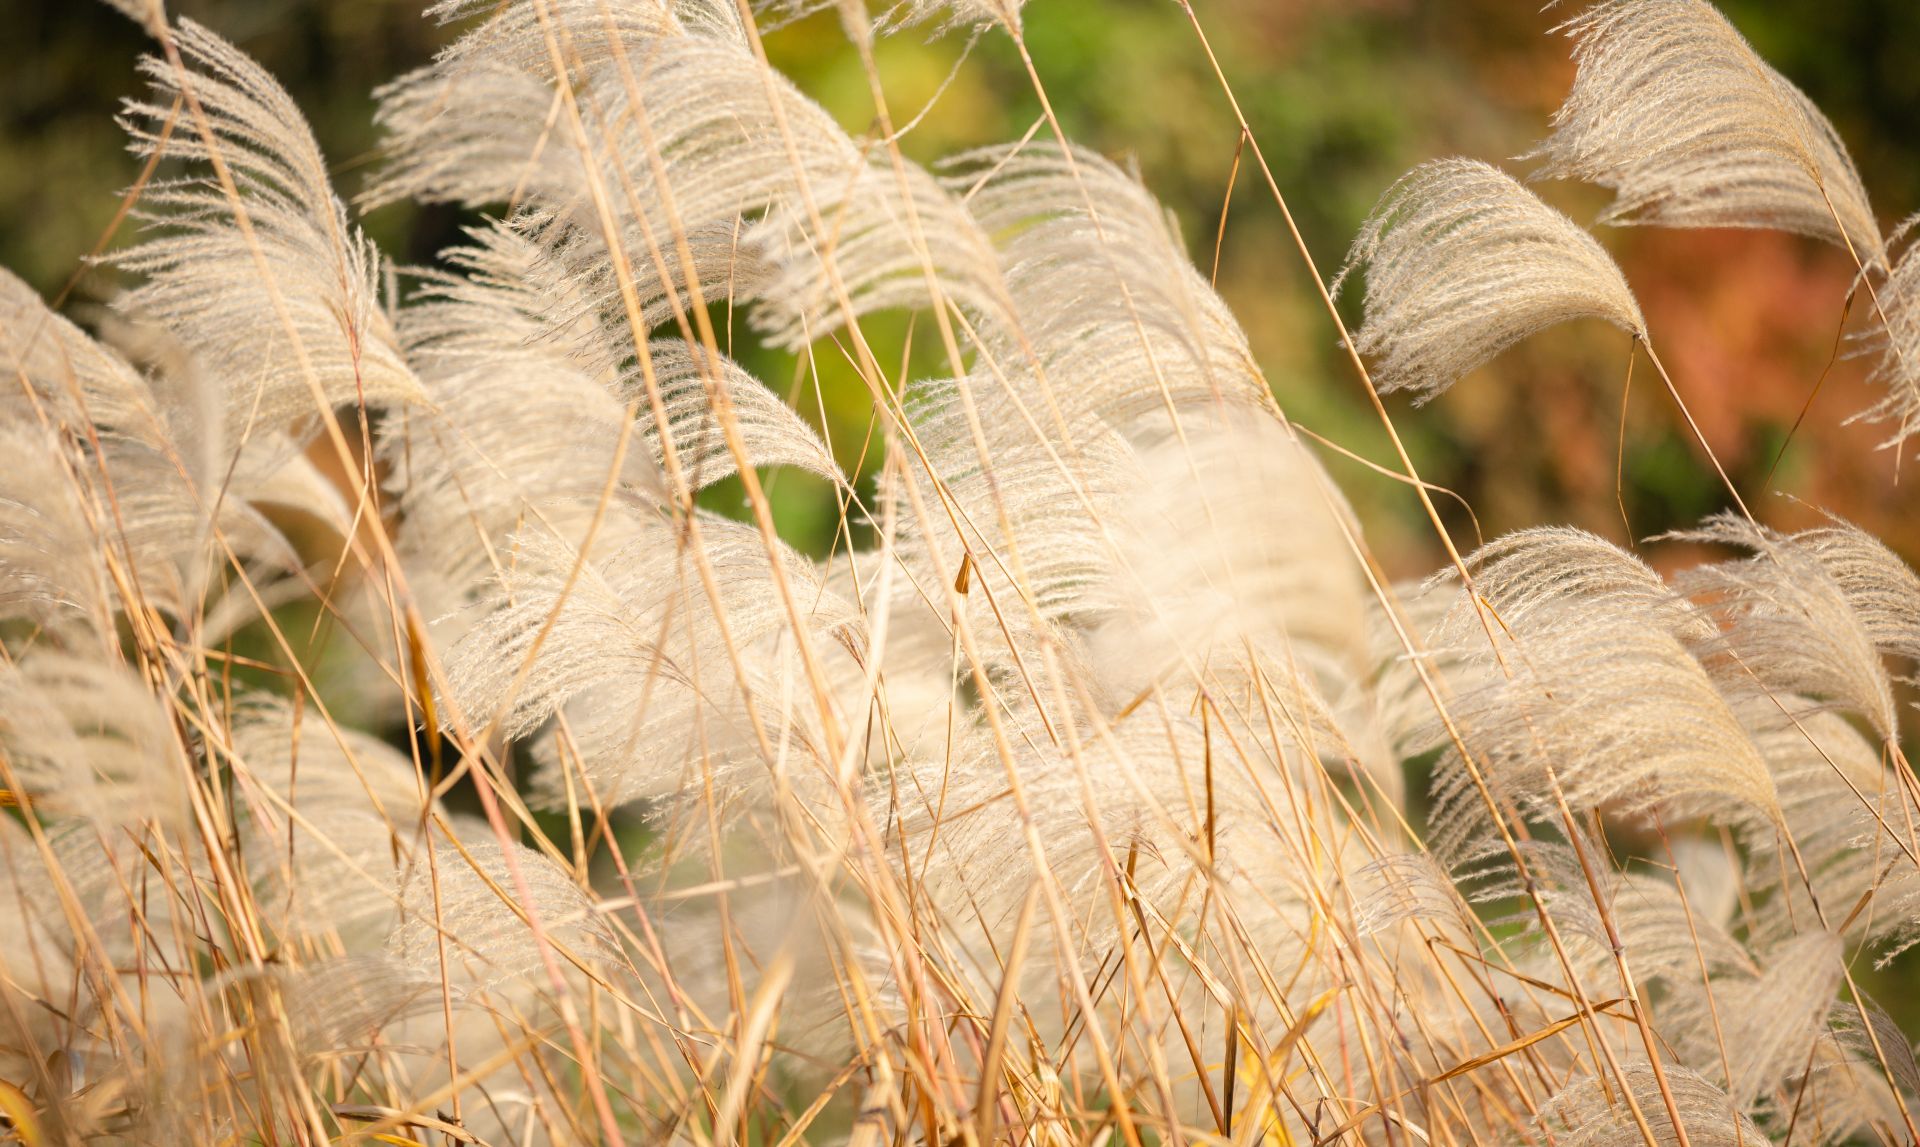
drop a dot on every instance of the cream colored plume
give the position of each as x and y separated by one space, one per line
984 830
1461 262
87 738
1896 344
1674 111
334 818
690 383
55 366
1882 590
136 468
1031 523
685 135
1855 833
472 897
1116 327
1538 570
950 14
1589 1113
265 282
1232 571
637 657
1588 695
1847 1088
52 571
1772 1019
521 430
1786 625
890 16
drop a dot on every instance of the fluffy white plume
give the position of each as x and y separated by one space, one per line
284 305
1774 1018
68 378
1674 111
336 821
1090 770
633 653
112 463
336 1008
1897 345
1589 1113
1407 886
469 898
688 139
1591 694
949 14
1855 834
881 238
895 15
1117 328
1030 522
689 380
51 571
521 431
1882 590
1787 624
88 738
1462 261
486 462
1134 804
1209 588
35 950
1538 570
1847 1088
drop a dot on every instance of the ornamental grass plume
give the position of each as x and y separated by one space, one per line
1096 787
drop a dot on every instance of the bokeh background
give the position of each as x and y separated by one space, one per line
1343 95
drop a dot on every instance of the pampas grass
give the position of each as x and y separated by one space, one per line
1674 111
1074 797
1462 261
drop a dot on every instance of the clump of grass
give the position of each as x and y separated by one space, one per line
1069 805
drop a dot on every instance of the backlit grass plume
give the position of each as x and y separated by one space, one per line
422 722
1462 261
1674 111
